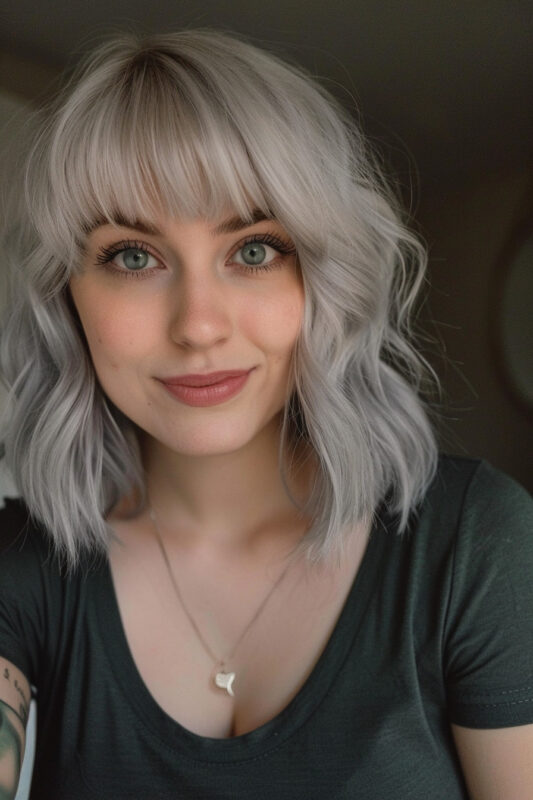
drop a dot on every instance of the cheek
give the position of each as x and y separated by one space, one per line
274 323
113 331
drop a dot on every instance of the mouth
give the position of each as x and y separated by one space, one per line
207 379
206 390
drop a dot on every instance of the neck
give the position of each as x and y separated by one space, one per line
226 501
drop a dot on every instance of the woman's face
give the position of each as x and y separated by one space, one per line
161 302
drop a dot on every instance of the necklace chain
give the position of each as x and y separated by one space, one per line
191 619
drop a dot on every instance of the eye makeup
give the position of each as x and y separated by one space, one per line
106 255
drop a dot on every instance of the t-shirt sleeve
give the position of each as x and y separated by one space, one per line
488 644
22 598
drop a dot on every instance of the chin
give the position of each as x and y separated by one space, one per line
204 444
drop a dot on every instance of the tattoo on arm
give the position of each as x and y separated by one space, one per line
23 705
11 752
13 719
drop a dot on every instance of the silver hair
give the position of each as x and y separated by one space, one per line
197 122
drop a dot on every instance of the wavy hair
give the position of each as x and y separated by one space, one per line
195 122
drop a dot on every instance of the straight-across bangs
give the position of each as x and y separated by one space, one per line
153 133
145 144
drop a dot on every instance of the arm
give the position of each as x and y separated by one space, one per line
489 638
15 698
497 763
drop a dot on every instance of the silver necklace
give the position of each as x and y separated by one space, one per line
222 679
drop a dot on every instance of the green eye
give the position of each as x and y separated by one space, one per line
128 258
253 253
135 259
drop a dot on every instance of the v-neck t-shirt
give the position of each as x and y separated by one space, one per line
437 628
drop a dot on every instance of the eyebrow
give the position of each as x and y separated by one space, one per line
234 224
231 225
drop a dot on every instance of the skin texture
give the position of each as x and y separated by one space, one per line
11 749
197 307
497 763
14 708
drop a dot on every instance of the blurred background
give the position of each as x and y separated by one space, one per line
444 90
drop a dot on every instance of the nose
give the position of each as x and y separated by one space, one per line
200 316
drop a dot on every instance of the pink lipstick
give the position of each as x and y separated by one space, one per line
206 390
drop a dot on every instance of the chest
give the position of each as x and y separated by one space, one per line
272 654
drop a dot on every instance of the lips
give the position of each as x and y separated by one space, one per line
205 380
210 389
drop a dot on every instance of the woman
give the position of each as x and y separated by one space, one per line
239 567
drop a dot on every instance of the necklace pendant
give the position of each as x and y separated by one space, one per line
224 680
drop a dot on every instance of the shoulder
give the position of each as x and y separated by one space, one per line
494 531
458 473
474 522
488 607
485 478
25 546
14 519
23 586
16 525
486 517
469 493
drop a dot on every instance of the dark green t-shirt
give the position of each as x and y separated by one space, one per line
437 628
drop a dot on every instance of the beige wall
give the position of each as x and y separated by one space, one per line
468 230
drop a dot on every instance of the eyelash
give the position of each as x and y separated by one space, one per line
106 255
